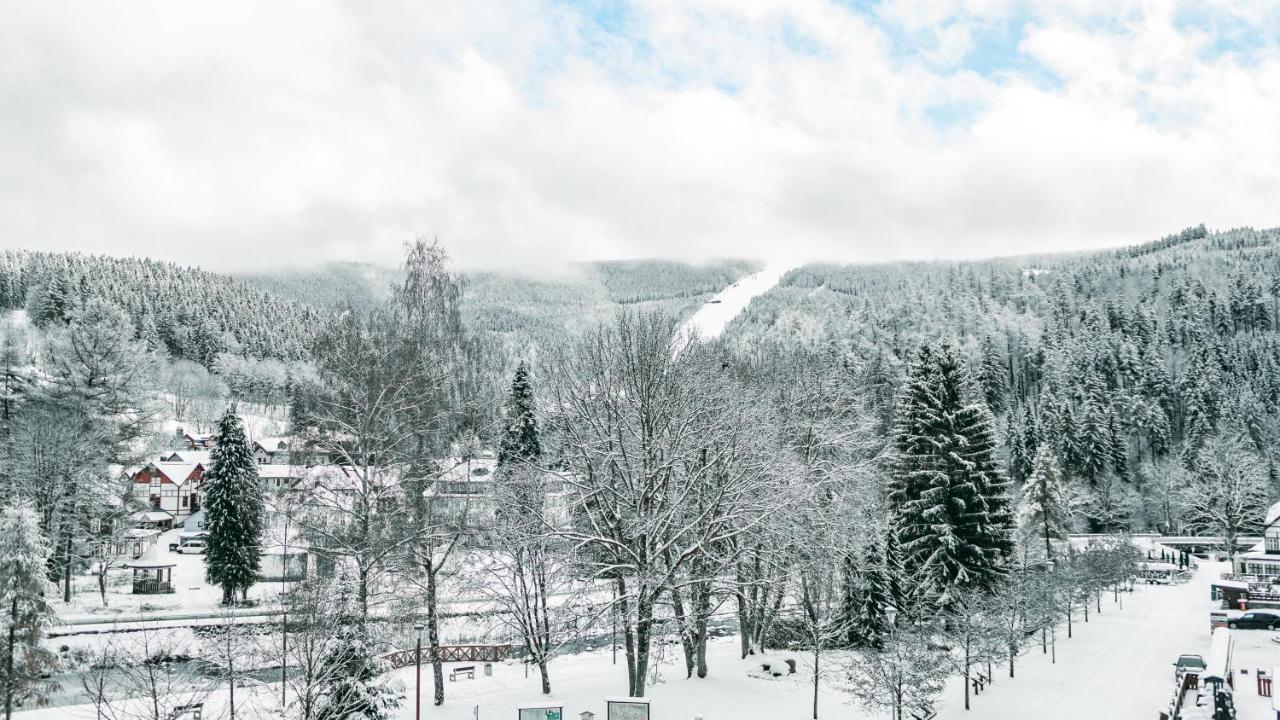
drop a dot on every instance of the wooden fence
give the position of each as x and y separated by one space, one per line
451 653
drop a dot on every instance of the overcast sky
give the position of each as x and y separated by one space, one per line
255 135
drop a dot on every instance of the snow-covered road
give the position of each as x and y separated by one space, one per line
710 320
1118 666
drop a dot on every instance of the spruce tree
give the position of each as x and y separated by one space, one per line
24 602
520 441
233 506
948 494
871 598
994 377
1044 509
355 691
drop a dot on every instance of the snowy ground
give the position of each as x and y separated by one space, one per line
192 594
710 320
1120 664
1116 667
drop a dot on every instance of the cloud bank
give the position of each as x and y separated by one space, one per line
522 133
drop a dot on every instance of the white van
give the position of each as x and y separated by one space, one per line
194 546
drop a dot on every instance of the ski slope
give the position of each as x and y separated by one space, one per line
710 320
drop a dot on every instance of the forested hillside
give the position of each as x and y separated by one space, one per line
191 313
544 311
1126 363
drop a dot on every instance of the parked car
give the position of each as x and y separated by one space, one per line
1193 664
1255 620
192 547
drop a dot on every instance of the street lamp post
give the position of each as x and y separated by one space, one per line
417 659
891 614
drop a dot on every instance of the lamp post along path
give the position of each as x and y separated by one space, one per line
417 694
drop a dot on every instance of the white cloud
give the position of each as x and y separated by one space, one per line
243 135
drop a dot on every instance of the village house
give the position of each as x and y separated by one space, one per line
172 487
194 441
464 493
1263 560
271 451
278 478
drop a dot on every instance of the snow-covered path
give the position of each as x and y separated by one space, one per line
710 320
1118 666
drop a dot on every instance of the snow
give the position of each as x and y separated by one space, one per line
192 593
1273 515
710 320
1117 666
1120 664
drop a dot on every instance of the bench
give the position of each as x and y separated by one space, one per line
468 670
187 712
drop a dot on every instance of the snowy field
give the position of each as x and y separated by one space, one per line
1118 666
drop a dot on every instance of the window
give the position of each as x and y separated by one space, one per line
1273 543
186 499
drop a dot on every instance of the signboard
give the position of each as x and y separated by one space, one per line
541 713
628 710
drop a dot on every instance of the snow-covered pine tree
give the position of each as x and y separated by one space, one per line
520 441
24 601
233 506
872 597
1044 509
355 692
948 494
1094 439
993 374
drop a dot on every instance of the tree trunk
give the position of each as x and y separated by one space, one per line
628 636
8 674
66 568
644 630
966 672
1013 654
682 628
102 583
546 679
701 613
433 634
817 651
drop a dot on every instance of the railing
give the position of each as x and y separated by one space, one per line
151 587
451 653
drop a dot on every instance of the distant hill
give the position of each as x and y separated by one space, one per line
192 313
361 285
526 310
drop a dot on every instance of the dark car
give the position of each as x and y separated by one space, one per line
1189 664
1255 621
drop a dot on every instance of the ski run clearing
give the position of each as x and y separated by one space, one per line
1118 666
715 314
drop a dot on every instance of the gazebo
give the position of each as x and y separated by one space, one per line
152 573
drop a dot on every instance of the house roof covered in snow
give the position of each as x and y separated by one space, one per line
190 456
151 559
272 444
346 477
473 470
178 472
1273 515
271 471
